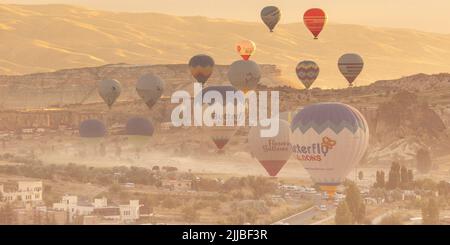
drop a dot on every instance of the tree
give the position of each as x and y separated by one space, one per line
380 180
424 162
430 212
394 176
404 180
343 214
410 176
355 203
360 175
391 220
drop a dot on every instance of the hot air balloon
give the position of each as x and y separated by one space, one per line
315 19
329 139
350 66
244 75
270 15
138 130
150 88
246 48
307 71
109 90
220 135
92 128
271 152
92 132
201 67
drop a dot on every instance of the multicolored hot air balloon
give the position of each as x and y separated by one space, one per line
109 90
271 152
150 88
315 19
201 67
220 135
350 66
246 48
329 139
270 15
307 72
244 75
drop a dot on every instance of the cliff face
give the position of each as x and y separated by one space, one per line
75 86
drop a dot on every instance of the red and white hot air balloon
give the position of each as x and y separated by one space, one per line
315 19
246 48
271 152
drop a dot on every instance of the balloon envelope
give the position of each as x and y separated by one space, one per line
221 135
350 66
270 15
307 71
109 90
244 75
201 67
315 19
150 88
139 130
92 128
329 139
246 48
271 152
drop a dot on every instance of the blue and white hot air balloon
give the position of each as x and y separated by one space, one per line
329 139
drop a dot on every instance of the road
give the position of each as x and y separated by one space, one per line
303 218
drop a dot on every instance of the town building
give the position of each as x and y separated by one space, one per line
21 191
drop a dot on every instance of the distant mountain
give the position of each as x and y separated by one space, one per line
41 38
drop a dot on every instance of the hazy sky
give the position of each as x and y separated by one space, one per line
428 15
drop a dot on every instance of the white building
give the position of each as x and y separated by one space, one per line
22 191
130 212
123 213
73 207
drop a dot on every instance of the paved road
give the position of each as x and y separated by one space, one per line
305 217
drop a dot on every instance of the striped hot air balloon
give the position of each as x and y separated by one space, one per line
307 72
201 67
315 19
270 15
271 152
350 66
329 139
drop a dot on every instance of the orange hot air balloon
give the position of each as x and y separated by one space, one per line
246 48
315 19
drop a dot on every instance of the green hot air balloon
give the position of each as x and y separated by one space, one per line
201 67
109 90
244 75
271 15
150 88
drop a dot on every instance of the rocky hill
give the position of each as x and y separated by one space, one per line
43 38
